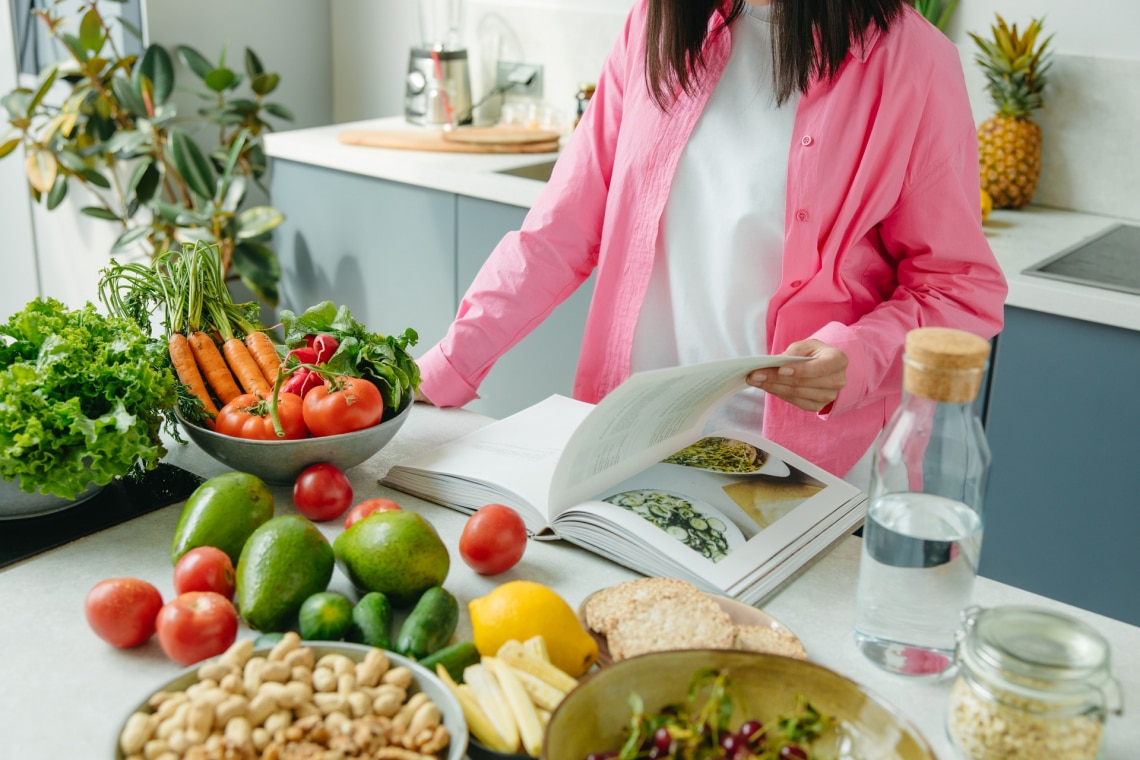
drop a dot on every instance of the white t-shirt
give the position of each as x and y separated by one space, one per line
721 241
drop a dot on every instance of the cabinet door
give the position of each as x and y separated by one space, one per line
541 363
1062 508
385 250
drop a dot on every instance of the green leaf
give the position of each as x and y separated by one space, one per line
220 80
16 103
72 161
132 235
263 84
192 165
47 79
95 178
76 47
131 28
8 147
279 111
128 96
99 213
232 160
258 268
157 66
194 60
145 181
58 192
257 221
253 65
126 142
235 194
91 34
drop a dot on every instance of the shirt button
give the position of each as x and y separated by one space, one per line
796 283
806 140
802 215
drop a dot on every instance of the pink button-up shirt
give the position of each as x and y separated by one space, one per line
882 231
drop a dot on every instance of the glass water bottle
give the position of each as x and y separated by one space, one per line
923 532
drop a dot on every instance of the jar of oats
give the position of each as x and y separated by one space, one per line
1031 684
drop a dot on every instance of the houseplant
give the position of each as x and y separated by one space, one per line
104 122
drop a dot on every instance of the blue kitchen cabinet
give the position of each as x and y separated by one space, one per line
384 249
401 256
544 361
1063 499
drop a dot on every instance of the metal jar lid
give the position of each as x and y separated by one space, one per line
1038 653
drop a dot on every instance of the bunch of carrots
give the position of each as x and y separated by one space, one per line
218 348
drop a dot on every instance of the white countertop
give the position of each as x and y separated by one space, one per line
66 693
1019 238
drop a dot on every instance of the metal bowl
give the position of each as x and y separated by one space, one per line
280 462
16 504
592 716
425 681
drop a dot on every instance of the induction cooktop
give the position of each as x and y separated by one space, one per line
1109 260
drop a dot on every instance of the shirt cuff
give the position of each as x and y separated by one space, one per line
440 383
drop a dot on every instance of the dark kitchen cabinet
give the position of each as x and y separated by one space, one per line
1063 498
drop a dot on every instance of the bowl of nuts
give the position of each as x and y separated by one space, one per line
320 697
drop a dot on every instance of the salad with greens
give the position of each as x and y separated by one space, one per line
82 398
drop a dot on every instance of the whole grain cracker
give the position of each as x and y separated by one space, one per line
676 621
606 607
769 640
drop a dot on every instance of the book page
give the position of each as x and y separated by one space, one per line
510 461
650 415
729 508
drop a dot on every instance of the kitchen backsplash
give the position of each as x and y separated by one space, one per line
1091 158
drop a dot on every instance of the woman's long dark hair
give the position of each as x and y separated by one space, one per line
809 37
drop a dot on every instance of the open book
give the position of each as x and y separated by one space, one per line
637 478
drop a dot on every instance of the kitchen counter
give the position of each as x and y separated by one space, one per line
1019 238
66 693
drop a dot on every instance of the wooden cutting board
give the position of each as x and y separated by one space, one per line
462 140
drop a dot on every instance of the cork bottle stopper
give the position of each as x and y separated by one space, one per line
944 364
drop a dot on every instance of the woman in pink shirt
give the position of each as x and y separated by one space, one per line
767 179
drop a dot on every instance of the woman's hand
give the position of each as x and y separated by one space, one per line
810 385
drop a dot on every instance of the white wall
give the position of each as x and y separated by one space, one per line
1091 152
17 248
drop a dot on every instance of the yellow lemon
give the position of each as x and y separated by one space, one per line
522 609
987 204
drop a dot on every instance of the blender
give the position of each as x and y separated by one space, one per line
437 90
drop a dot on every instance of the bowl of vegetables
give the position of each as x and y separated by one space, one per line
337 395
727 704
281 461
82 398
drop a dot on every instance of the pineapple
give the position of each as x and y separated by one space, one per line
1009 142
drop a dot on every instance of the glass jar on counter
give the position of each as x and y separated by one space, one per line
1031 684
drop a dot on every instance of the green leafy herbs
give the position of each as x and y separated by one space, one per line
382 359
700 727
82 398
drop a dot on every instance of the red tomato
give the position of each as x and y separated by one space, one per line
322 492
121 611
205 568
196 625
247 416
367 507
493 539
342 405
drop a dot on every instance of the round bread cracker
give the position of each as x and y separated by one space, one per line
678 621
606 607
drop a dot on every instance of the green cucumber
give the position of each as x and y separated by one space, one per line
454 658
430 625
371 621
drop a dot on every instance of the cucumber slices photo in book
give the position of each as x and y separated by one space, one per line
638 478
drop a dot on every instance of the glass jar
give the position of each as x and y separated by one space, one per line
923 533
1031 684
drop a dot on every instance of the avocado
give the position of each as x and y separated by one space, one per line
222 512
397 553
284 562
